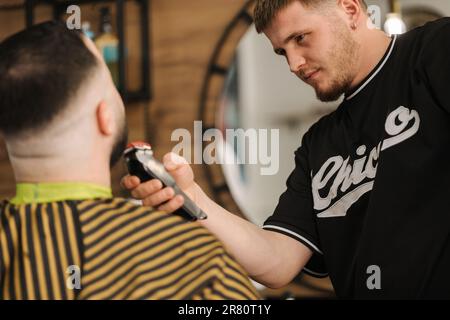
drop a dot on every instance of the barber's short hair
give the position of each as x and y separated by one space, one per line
41 69
266 10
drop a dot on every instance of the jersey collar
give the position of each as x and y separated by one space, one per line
374 72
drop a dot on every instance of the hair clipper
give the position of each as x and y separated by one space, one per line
141 163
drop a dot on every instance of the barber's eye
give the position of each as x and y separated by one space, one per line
280 52
300 38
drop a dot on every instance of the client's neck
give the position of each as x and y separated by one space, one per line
51 169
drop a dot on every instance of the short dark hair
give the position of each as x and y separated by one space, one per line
266 10
41 69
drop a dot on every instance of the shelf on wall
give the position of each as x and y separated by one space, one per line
59 8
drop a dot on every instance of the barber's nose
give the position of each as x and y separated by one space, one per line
296 62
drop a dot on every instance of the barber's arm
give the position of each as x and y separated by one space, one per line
270 258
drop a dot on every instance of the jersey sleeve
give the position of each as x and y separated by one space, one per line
294 214
435 62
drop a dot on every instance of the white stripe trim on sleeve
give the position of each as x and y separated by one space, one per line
295 235
317 274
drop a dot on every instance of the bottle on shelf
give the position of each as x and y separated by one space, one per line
108 44
86 28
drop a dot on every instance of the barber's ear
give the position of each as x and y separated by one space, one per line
351 7
105 119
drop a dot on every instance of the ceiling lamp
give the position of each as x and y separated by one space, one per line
394 23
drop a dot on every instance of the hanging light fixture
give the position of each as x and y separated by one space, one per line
394 23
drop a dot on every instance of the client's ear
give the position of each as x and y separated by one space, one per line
105 119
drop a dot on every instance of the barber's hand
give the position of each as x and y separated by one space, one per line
152 192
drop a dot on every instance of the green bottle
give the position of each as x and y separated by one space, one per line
108 44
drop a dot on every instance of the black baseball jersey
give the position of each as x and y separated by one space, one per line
370 192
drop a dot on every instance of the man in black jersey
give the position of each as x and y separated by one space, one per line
368 201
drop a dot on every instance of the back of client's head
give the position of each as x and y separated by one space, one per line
54 85
41 71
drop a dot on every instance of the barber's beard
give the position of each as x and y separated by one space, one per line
343 55
119 145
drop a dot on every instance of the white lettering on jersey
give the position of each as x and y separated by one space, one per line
346 175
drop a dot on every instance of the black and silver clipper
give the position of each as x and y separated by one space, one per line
141 163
